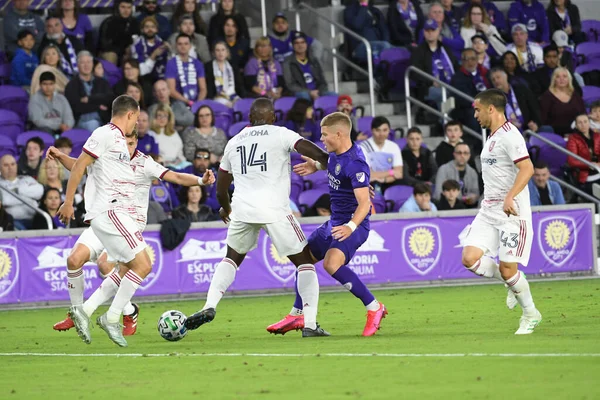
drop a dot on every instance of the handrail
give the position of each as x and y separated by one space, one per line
444 86
36 209
333 25
576 190
263 15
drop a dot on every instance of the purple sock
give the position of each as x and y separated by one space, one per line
298 302
352 282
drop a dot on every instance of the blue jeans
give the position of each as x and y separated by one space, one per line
306 95
377 46
435 95
90 125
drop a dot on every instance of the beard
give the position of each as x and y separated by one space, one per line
150 37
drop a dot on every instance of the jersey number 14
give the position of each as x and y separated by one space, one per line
251 160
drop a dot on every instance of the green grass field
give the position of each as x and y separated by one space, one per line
441 323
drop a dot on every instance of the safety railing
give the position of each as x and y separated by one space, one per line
36 209
333 25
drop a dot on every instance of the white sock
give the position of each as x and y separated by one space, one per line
296 311
520 287
220 282
129 284
308 288
105 292
373 306
487 268
128 309
76 286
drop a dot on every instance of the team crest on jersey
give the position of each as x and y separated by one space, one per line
557 238
139 236
492 144
422 246
338 169
360 176
92 143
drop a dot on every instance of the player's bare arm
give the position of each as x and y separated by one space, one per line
364 206
224 180
312 154
183 179
55 154
66 212
523 176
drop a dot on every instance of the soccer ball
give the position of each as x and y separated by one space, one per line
171 325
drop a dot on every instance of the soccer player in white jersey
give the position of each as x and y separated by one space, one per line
503 224
258 160
88 246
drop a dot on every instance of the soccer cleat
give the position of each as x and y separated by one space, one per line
81 321
307 332
200 318
374 320
64 325
528 324
130 321
511 299
113 330
288 323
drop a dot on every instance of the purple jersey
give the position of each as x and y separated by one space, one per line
147 144
186 75
81 28
284 48
308 76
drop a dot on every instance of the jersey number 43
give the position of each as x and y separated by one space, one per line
251 160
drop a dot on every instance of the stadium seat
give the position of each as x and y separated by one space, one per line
318 180
592 30
325 105
112 73
241 109
11 124
223 114
395 196
7 146
282 106
590 94
4 73
308 198
78 137
394 63
379 204
587 50
15 99
364 125
555 159
22 139
236 128
297 186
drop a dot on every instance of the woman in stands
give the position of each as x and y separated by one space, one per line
50 61
193 208
585 143
224 84
76 23
168 140
477 21
131 73
189 7
263 74
516 74
217 21
204 135
300 119
564 16
50 202
137 92
560 104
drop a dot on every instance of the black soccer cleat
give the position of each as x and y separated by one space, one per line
307 332
200 318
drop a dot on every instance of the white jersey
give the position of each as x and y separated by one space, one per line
145 170
259 159
111 184
503 149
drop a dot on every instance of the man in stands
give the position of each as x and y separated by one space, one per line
543 191
26 187
150 50
199 47
162 93
18 18
185 75
367 21
532 14
463 173
282 40
146 143
150 8
68 45
529 54
382 155
30 164
117 31
49 110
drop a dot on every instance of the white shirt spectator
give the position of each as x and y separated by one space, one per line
382 158
25 187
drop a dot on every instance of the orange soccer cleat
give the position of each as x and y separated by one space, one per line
289 323
64 325
374 320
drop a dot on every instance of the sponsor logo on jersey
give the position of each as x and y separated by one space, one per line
9 269
421 246
488 161
557 238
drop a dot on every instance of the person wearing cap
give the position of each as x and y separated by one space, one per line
477 23
217 22
480 45
449 36
149 50
49 111
25 61
117 31
405 20
150 8
540 79
344 105
532 14
495 15
282 37
366 20
185 75
566 57
68 45
200 49
564 16
529 54
302 72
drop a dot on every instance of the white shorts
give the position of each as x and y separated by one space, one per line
119 234
89 239
286 235
510 238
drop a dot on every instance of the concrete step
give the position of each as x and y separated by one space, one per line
432 142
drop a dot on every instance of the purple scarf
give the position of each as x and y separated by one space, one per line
409 16
441 66
142 51
266 77
513 111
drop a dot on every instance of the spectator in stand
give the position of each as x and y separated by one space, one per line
516 75
560 104
24 62
263 74
76 23
420 200
146 143
480 45
117 32
321 208
183 116
566 58
434 58
302 72
366 20
98 70
49 203
418 161
189 7
224 83
90 98
543 191
51 175
168 140
540 79
65 146
445 151
150 8
453 14
405 20
23 186
156 214
204 134
162 192
530 13
193 208
586 144
199 49
344 104
7 222
200 165
594 117
449 36
282 40
50 62
522 107
460 171
477 22
137 92
150 51
29 162
131 74
496 16
217 22
529 54
49 111
449 199
239 47
17 19
185 75
564 16
382 155
300 119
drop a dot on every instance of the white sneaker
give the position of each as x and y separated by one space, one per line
528 324
82 323
511 299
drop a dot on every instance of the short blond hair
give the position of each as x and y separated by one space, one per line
337 118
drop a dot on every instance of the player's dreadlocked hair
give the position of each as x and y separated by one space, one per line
492 97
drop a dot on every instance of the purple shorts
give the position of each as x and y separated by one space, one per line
320 241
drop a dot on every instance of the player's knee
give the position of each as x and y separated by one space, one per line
469 259
105 267
74 262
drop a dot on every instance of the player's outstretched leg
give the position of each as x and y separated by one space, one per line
294 320
518 284
79 256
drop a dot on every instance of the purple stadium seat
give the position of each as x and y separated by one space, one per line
241 109
379 203
4 73
296 188
223 114
587 49
592 30
308 198
112 73
22 139
283 105
395 62
11 124
236 128
7 146
325 105
590 94
593 65
553 157
15 99
400 142
364 125
318 180
78 137
396 195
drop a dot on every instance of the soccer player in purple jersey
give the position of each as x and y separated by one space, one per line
336 241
